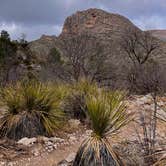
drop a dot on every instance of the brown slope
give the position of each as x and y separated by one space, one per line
101 24
42 46
97 22
109 28
160 34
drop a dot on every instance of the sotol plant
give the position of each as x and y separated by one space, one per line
29 110
107 113
75 105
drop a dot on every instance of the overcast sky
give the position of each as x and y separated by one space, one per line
37 17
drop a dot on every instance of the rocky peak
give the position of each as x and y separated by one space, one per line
42 46
95 21
47 37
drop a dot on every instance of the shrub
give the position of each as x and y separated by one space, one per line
107 113
161 161
75 105
30 109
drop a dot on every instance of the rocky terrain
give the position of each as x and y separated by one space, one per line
61 149
107 28
161 34
97 22
42 46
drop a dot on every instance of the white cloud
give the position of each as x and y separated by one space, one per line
153 22
32 32
37 17
9 27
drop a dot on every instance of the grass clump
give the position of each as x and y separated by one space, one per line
30 109
75 105
107 114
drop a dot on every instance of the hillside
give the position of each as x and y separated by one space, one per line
100 74
106 26
161 34
97 22
106 30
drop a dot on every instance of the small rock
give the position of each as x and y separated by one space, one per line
55 146
10 164
88 132
56 139
45 139
66 143
73 138
36 152
70 158
49 143
27 141
62 163
2 163
50 147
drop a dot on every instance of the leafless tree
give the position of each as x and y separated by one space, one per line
151 79
85 57
139 46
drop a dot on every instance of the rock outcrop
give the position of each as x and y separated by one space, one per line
42 46
108 28
97 22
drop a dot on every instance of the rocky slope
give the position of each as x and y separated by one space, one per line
42 46
62 148
161 34
108 28
96 22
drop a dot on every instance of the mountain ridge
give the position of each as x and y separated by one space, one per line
107 28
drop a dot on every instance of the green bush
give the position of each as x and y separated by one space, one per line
30 109
75 106
107 114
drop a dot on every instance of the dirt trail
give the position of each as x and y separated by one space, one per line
128 133
49 159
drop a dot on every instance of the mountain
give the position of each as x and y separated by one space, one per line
106 28
42 46
97 22
160 34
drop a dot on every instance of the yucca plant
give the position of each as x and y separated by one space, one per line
29 109
85 86
75 105
107 113
161 161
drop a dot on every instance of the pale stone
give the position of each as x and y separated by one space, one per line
27 141
70 157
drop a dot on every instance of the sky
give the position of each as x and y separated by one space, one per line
37 17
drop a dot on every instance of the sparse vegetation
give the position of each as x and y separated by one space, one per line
75 105
30 109
90 66
107 114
